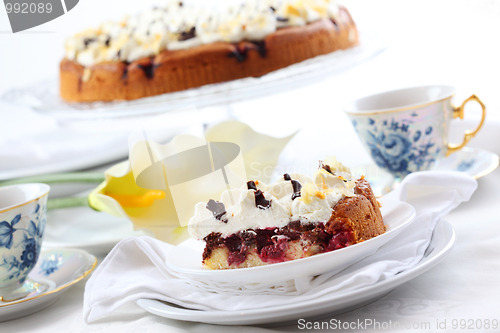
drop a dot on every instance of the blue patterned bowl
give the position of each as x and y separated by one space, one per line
22 222
406 130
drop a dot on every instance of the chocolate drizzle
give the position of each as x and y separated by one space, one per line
108 40
251 185
261 48
296 189
241 52
295 184
281 19
87 41
218 209
325 167
185 35
335 24
149 69
260 201
125 73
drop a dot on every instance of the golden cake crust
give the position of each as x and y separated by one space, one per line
178 70
361 213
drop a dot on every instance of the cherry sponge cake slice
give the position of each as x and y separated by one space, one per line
293 218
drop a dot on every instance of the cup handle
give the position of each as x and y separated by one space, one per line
459 112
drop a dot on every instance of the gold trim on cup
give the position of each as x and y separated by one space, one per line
24 203
458 112
417 106
57 289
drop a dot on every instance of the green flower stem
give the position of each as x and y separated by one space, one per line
67 202
70 177
60 178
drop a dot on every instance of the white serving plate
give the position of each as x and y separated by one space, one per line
86 229
443 239
186 257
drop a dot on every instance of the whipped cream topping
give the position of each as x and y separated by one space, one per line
181 26
241 212
243 209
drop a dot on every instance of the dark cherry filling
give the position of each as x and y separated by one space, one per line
263 238
233 243
236 258
237 250
213 242
275 252
338 241
271 243
318 236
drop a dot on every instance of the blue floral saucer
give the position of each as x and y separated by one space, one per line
54 272
473 161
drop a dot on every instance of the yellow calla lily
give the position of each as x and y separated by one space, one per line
137 200
119 195
154 209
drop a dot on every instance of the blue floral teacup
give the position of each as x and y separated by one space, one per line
22 223
406 130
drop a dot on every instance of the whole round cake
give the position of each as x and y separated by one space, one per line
293 218
185 46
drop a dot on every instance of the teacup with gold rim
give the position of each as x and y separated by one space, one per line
406 130
22 225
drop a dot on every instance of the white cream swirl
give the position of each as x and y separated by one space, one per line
315 203
241 213
318 199
181 26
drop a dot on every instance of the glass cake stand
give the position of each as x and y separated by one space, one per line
43 97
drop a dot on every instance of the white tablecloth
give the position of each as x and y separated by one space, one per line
450 42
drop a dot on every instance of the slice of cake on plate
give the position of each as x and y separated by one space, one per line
293 218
